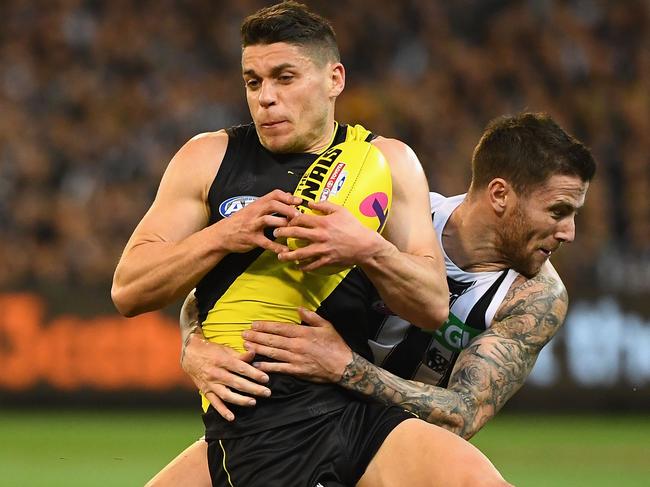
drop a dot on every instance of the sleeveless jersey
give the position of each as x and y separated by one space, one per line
474 297
244 287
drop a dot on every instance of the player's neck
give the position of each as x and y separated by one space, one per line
470 240
323 142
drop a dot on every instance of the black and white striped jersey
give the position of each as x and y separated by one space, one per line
474 297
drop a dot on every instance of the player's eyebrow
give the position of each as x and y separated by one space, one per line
565 206
562 204
275 70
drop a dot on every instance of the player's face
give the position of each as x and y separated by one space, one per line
290 97
541 221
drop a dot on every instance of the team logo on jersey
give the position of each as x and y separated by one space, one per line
234 204
436 360
380 307
457 289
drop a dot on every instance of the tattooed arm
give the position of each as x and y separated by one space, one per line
488 372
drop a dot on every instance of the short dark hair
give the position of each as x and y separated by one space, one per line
527 149
293 23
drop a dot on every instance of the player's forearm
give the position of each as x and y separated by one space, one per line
151 275
413 287
435 405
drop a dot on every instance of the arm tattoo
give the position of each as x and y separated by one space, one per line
487 373
498 362
430 403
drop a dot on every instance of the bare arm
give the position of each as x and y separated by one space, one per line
487 373
408 268
172 247
405 264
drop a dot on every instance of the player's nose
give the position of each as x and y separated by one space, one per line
566 231
267 94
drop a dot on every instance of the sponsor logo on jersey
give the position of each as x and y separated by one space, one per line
234 204
454 334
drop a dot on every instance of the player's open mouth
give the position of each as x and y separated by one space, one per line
546 252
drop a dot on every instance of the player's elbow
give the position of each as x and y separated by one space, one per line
436 312
440 314
123 300
435 316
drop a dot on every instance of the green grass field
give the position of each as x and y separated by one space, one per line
78 448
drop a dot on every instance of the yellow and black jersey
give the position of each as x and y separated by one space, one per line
255 285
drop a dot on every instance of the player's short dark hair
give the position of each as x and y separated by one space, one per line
293 23
526 150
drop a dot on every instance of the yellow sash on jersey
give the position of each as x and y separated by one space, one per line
269 290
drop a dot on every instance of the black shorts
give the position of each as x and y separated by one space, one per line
332 450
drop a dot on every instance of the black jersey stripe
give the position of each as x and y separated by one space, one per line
476 317
405 358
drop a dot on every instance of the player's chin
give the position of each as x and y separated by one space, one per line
533 268
279 144
530 267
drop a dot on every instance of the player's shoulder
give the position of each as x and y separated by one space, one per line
194 166
207 141
543 292
546 281
533 310
399 155
394 147
203 153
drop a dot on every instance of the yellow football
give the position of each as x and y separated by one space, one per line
353 174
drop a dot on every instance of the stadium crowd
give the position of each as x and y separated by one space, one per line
96 96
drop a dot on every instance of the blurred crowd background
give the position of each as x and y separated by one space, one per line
96 96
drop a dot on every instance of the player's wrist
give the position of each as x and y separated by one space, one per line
353 371
220 238
377 251
342 359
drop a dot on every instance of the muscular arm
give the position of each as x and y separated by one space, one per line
172 247
488 372
408 269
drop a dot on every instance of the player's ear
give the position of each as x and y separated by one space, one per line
337 79
500 193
